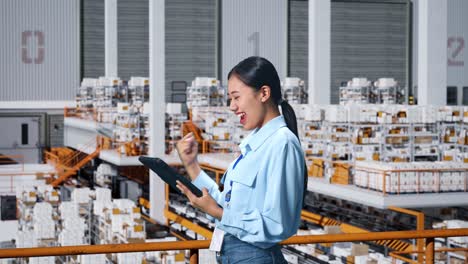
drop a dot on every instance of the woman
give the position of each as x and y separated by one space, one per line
263 188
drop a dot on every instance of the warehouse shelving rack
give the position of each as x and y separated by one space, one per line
357 95
425 141
396 143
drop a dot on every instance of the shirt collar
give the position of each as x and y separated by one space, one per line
258 136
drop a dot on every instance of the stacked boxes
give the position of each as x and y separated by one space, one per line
317 167
138 92
84 98
112 103
104 174
175 119
81 195
92 259
220 128
73 226
205 91
412 177
362 91
26 239
119 221
391 133
357 91
388 91
293 90
176 256
313 137
42 260
44 225
336 114
134 257
341 173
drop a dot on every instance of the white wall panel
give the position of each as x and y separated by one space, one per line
254 28
39 49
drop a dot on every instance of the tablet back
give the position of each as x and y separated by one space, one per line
168 174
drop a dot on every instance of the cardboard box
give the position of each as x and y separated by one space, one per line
359 249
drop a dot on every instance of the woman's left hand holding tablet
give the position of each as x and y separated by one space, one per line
205 203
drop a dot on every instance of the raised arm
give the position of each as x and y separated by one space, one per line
187 148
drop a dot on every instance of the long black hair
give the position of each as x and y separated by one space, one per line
257 72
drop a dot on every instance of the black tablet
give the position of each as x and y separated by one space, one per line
168 174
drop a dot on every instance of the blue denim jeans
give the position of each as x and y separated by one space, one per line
236 251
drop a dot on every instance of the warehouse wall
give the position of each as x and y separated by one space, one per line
298 39
368 39
190 41
39 53
92 38
254 28
457 44
23 134
133 38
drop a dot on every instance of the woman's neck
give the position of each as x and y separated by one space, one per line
270 114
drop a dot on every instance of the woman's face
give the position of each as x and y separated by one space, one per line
246 103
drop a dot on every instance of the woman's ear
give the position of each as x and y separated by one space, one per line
265 93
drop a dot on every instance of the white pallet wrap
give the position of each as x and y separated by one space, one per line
124 205
42 210
130 258
451 224
71 237
100 208
26 239
118 222
75 224
103 195
336 114
44 228
135 230
81 195
42 260
92 259
69 210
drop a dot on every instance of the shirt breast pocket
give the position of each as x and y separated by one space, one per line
243 192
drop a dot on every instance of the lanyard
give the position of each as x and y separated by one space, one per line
227 198
233 167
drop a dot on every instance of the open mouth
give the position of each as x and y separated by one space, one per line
243 117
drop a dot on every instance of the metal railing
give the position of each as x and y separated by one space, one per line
194 246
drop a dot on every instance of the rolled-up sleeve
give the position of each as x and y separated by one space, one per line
204 181
278 219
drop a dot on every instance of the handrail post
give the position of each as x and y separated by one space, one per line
193 256
420 226
429 250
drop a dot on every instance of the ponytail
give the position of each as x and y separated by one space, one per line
289 116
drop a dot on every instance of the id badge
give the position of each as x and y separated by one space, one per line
217 240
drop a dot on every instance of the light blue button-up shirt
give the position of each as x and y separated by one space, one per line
266 185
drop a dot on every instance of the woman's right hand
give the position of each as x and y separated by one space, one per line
187 148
